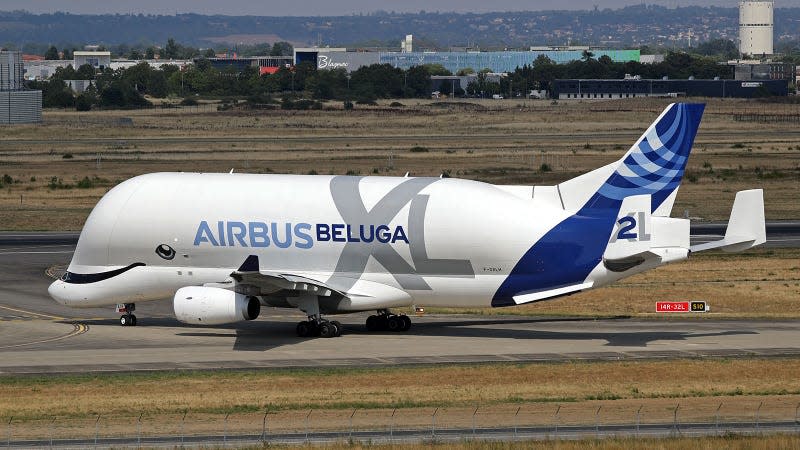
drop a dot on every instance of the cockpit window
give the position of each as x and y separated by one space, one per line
86 278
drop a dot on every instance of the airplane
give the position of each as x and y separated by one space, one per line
224 245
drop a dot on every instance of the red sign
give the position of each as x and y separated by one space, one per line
668 307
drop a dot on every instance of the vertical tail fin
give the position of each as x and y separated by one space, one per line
653 166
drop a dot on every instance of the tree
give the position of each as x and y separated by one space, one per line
327 84
51 53
465 71
437 69
587 55
150 53
67 53
172 50
281 48
210 53
85 72
722 48
417 82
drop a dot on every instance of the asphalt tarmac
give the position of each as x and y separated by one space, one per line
38 335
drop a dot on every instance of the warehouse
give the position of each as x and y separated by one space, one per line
635 87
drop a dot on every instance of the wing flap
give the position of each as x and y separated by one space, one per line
254 281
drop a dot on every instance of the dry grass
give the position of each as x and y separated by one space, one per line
769 288
733 442
500 142
660 384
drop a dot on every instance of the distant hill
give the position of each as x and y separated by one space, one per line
633 25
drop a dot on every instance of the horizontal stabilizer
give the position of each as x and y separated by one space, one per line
550 293
746 227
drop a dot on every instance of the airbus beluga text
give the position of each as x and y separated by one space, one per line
223 245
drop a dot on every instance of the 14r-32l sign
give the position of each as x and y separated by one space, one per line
692 306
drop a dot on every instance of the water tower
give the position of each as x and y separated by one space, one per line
755 27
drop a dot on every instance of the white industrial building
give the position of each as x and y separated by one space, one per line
98 60
756 27
17 104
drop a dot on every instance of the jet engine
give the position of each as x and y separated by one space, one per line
199 305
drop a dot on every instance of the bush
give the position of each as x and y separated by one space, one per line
66 156
545 168
56 183
83 103
419 149
85 183
302 104
396 105
189 101
7 179
348 105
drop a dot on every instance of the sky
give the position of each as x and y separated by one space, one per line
329 7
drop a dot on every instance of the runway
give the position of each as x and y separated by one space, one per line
39 336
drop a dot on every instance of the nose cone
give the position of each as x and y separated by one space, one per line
58 291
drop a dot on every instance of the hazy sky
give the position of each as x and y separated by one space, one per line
329 7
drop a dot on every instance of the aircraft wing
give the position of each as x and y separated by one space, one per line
250 280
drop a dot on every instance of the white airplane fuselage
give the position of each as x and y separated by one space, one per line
449 242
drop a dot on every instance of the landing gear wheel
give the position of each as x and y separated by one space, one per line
394 323
327 330
406 323
338 326
124 320
304 329
373 323
133 320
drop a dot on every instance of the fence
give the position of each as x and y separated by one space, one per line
506 422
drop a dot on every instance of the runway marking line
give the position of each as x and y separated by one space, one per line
78 329
31 313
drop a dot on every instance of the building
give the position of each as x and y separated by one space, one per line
79 86
17 104
635 87
96 59
767 70
755 27
501 61
265 64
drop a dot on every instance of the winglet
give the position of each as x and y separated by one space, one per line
250 264
746 227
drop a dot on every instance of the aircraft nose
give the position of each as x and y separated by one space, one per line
58 292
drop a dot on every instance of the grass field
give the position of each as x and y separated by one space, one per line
657 383
406 397
59 169
769 288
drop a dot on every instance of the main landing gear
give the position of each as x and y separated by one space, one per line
315 325
319 327
127 319
386 321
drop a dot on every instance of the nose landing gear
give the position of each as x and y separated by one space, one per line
127 319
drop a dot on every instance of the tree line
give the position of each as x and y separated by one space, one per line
173 50
128 87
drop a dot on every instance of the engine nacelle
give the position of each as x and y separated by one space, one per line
199 305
